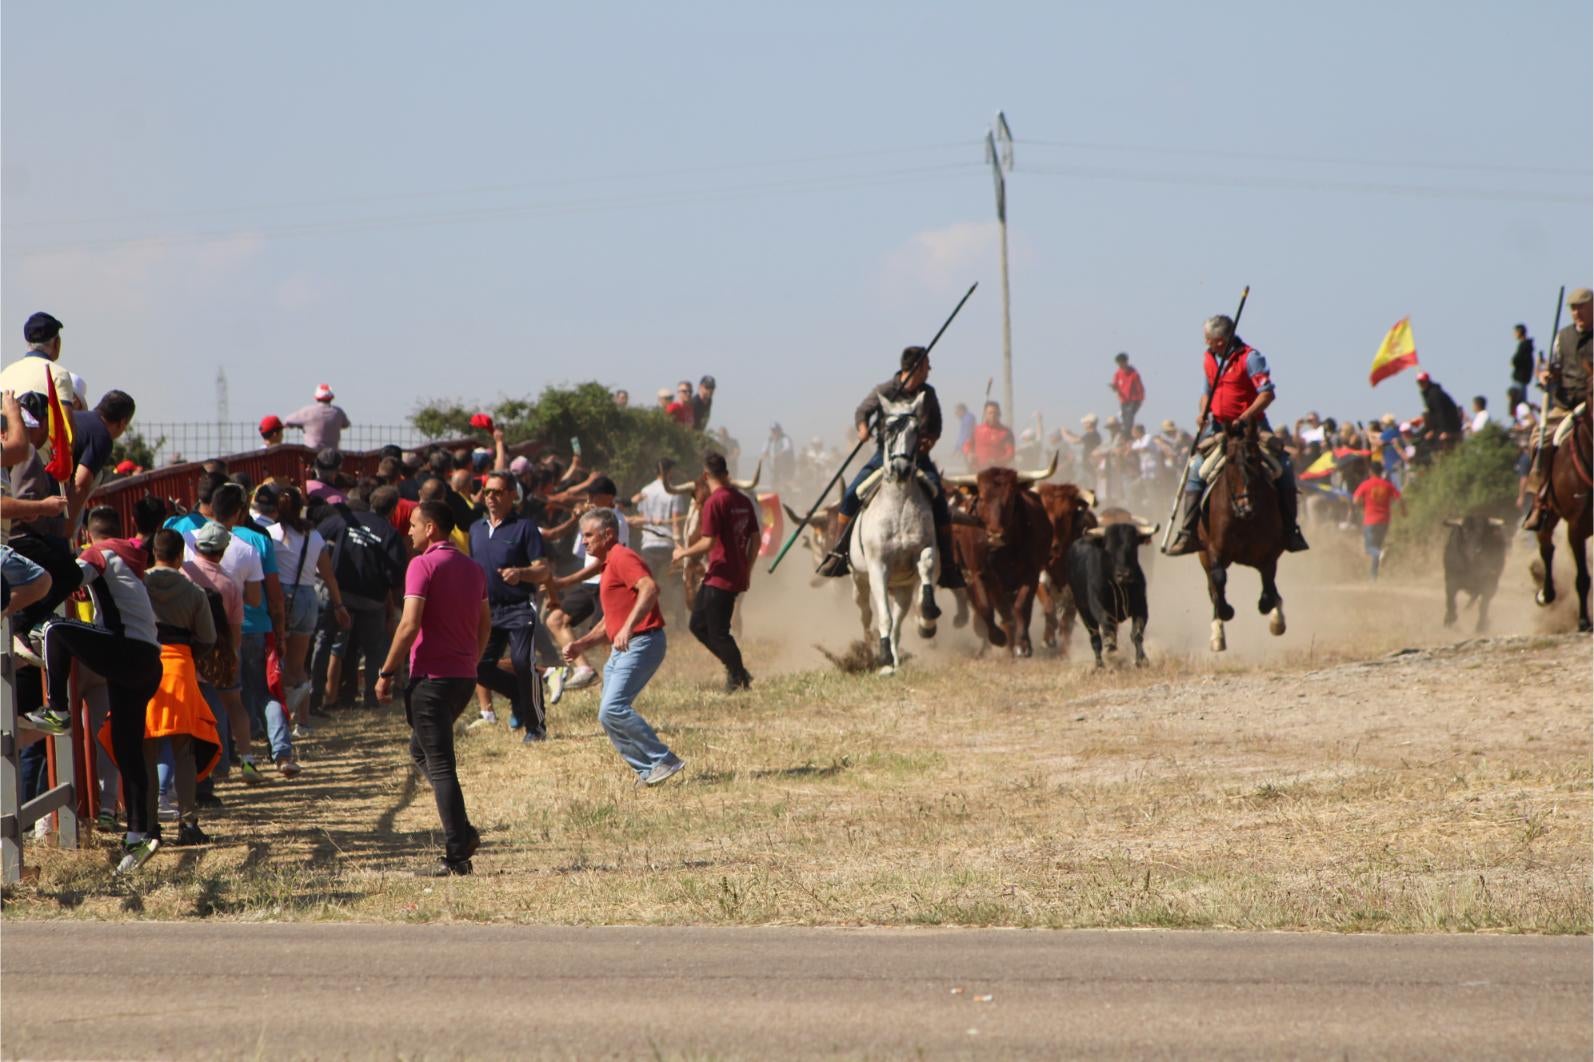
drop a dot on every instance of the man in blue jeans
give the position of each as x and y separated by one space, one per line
633 625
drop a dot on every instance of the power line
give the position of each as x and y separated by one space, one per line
1319 160
1307 184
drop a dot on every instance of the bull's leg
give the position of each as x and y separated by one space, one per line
1065 625
960 618
1048 603
1581 582
1137 634
1271 604
1023 611
1450 601
1483 612
1095 638
929 612
1546 594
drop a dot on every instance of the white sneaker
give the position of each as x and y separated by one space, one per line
24 652
581 678
663 770
488 718
556 677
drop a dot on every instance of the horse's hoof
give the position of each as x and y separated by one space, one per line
1024 651
887 670
1219 643
927 606
926 630
1544 599
1140 661
1099 664
1226 613
998 637
1584 626
1275 622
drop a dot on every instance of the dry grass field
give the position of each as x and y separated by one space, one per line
1367 772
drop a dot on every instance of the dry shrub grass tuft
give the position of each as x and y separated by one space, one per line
1423 791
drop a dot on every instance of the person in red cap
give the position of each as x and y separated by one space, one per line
270 431
127 468
321 421
1441 417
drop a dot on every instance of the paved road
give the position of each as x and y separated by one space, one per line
207 990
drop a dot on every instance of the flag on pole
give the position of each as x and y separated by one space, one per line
1322 468
1398 351
770 524
60 426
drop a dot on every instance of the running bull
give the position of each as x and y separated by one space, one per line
1109 585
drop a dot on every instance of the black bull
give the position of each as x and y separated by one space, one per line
1109 586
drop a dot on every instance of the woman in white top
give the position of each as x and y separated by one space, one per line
302 555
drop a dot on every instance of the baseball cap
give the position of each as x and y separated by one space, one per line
1579 297
602 485
126 468
323 393
41 328
1423 377
212 537
270 423
708 382
265 498
483 421
519 464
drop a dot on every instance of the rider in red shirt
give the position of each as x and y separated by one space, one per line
1239 390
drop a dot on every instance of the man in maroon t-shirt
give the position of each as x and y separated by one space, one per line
730 538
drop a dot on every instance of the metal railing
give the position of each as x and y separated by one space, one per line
175 442
62 797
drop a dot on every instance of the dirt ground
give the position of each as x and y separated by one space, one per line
1369 770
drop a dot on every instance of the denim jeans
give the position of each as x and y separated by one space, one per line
366 638
623 678
265 710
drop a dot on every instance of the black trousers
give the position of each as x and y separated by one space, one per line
711 623
132 671
1126 413
431 705
55 556
523 689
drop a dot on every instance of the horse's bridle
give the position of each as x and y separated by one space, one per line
1238 465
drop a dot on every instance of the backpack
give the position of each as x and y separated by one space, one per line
218 665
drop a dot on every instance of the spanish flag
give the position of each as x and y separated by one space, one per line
770 524
61 465
1398 351
1321 468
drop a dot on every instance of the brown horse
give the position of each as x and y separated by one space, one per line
1242 525
1567 499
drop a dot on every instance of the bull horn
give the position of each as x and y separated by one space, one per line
1147 529
1029 478
1454 521
964 519
961 480
797 519
749 484
1096 532
1495 521
1088 496
685 490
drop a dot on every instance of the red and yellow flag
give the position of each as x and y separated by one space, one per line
60 426
1322 468
1398 351
770 524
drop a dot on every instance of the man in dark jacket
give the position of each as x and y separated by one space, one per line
1521 366
369 559
911 379
1441 418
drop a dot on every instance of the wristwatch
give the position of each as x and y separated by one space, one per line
387 674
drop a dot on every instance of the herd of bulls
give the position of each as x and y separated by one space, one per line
1019 540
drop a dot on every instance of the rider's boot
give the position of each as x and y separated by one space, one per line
1289 506
951 574
1185 540
837 562
1535 520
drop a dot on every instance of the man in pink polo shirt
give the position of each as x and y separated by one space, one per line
447 622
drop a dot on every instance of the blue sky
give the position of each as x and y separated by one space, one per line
412 200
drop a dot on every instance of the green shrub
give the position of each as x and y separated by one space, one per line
1479 476
625 443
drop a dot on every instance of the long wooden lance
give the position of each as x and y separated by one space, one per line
1184 469
795 531
1544 405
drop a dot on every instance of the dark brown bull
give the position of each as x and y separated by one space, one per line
820 534
1069 509
1017 543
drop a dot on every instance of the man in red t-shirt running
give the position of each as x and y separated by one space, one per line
730 538
1376 495
633 625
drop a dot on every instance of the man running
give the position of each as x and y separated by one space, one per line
730 534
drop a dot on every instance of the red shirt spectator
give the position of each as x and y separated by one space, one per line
682 413
991 446
623 568
730 520
1126 381
1377 496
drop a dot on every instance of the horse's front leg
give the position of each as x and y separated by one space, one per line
1581 583
1222 611
1546 594
928 611
1270 604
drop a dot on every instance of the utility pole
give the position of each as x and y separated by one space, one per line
223 423
999 153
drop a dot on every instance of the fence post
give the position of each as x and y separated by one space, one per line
16 818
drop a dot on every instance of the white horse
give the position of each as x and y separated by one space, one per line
893 546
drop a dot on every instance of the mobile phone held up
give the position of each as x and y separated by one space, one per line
575 445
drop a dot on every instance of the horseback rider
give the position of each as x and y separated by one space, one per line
910 380
1566 382
1239 390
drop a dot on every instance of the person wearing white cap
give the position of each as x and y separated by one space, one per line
321 421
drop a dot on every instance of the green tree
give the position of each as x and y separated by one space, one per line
624 443
133 447
1479 476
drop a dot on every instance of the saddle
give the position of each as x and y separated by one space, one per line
1214 457
1565 423
871 486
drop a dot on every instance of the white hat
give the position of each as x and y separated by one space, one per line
28 419
323 393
